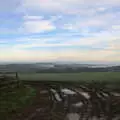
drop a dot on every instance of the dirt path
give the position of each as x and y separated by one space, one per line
40 108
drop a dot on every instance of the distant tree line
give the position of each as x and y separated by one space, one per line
60 68
81 69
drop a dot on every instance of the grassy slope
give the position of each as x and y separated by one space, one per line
13 102
85 76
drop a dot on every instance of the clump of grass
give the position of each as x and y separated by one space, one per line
14 101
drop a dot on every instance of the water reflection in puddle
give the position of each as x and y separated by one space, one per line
75 101
68 91
72 116
79 104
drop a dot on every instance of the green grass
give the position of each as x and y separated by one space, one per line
13 102
83 76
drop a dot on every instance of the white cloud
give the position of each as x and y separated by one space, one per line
38 26
107 21
22 55
9 6
66 6
35 24
101 9
28 17
71 55
55 18
90 55
114 45
116 27
88 17
84 25
96 40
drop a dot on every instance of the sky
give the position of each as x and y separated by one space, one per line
60 30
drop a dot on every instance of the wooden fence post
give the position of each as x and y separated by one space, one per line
17 79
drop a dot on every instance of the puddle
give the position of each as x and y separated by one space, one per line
38 109
68 91
105 94
56 95
72 116
85 94
95 118
79 104
74 101
116 94
71 103
116 118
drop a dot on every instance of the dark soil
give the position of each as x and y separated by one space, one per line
46 107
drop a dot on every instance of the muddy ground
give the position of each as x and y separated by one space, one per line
72 102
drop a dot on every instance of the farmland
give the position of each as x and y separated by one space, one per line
60 99
83 76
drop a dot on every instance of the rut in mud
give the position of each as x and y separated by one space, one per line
75 102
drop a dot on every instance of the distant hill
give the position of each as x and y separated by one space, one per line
58 67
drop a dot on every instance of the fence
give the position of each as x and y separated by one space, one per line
9 80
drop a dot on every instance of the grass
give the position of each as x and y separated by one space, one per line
83 76
13 102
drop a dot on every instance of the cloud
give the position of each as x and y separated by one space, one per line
90 55
116 27
101 40
28 17
69 55
7 6
66 29
36 24
67 6
22 55
106 21
114 45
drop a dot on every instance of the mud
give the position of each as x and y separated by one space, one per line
72 102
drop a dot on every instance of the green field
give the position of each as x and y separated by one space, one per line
83 76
